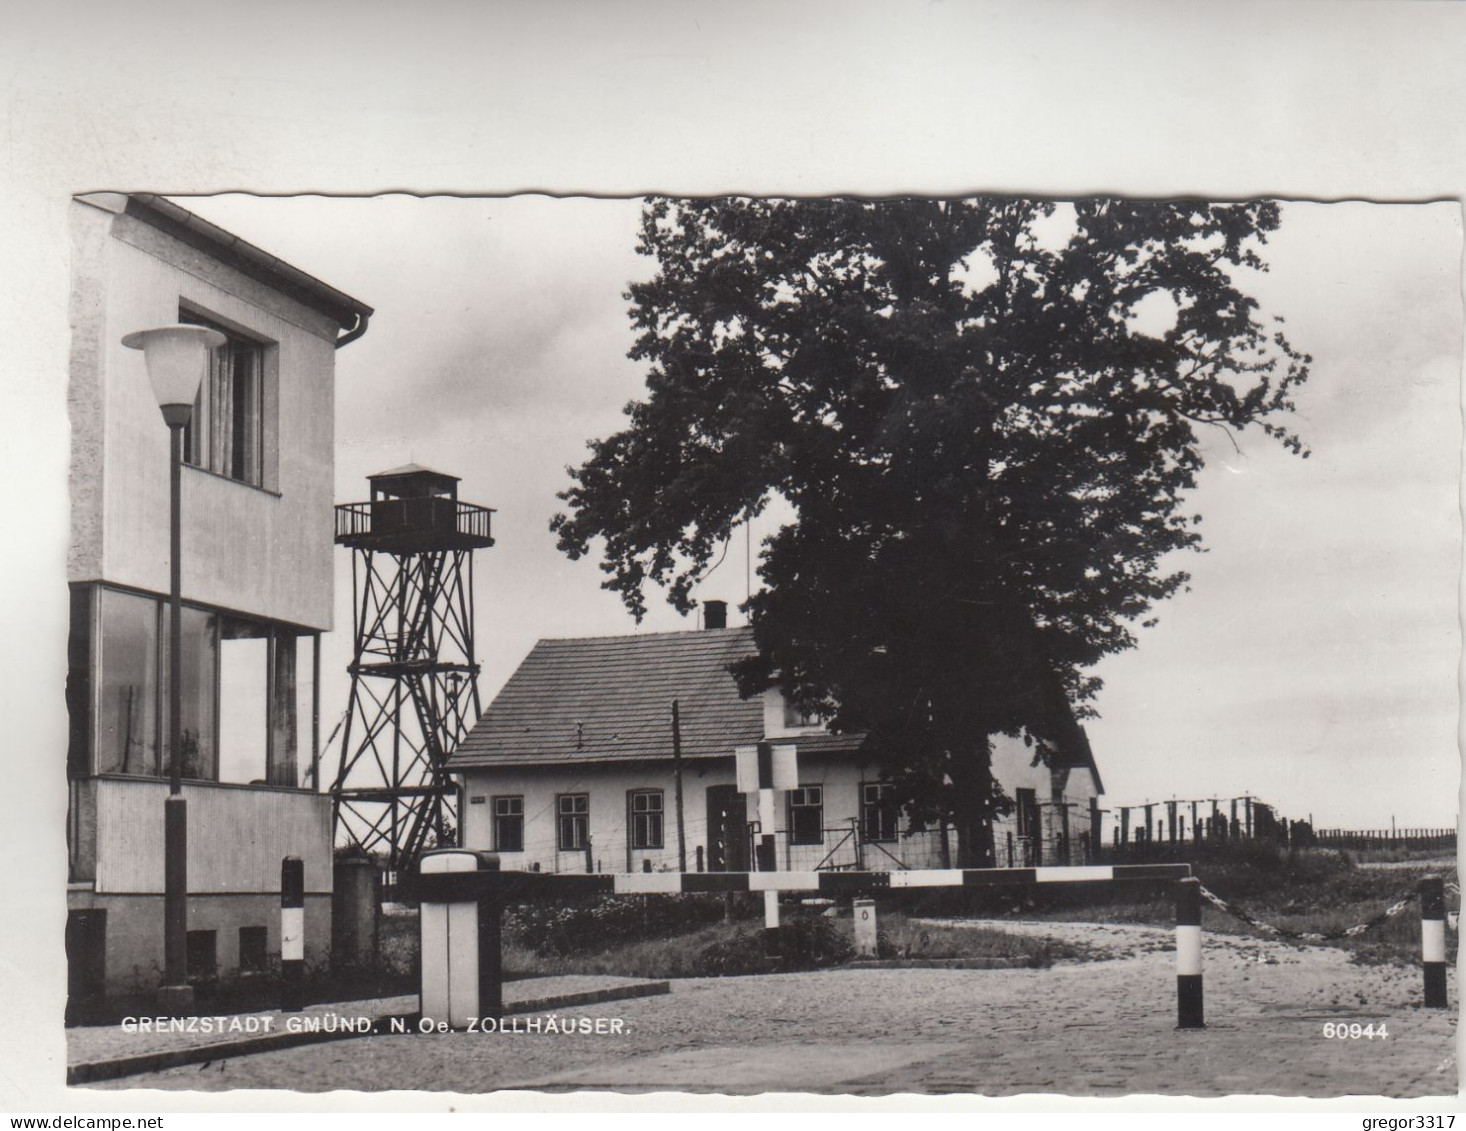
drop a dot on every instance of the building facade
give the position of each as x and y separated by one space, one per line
571 769
256 515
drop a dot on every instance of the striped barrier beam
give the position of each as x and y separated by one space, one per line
292 934
1433 940
530 885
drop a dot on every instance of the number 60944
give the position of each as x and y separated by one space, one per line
1353 1030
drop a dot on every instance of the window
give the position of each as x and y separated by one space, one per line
806 815
879 813
1027 803
226 434
509 824
239 689
127 684
254 955
795 718
574 817
202 953
646 818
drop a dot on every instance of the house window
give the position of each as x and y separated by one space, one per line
794 717
509 824
254 955
574 814
226 434
1027 803
238 685
879 812
646 818
202 954
126 684
807 815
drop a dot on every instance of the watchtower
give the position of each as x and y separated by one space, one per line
414 673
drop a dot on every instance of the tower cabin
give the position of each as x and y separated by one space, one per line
412 510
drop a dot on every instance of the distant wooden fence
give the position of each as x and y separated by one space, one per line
1385 838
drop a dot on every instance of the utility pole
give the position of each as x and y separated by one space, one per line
677 779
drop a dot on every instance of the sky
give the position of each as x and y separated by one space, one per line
1313 661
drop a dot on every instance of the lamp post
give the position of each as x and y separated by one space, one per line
176 357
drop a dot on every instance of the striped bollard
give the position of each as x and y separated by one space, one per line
1433 940
1189 1013
292 933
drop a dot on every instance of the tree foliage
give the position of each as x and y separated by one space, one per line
985 414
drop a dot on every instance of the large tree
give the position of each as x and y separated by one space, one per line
985 415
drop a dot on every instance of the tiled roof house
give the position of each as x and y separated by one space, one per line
571 768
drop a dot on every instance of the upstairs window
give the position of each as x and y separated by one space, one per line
509 824
794 718
574 820
646 818
226 434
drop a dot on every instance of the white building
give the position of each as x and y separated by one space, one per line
571 767
257 591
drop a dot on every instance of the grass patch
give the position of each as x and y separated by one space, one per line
1310 890
810 941
899 937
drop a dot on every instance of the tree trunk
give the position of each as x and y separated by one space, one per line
972 787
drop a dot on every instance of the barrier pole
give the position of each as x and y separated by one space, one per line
1433 940
292 934
1189 1012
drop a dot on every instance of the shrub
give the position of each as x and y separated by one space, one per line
812 941
586 926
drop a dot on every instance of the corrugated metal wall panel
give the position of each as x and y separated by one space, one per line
236 837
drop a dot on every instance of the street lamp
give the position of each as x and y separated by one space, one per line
176 357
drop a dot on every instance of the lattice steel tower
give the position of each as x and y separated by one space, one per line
414 674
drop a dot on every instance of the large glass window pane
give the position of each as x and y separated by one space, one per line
305 723
244 658
127 684
200 669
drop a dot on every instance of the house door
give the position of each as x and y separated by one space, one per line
727 829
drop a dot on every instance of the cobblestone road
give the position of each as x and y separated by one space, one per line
1088 1029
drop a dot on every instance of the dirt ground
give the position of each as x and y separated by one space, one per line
1103 1028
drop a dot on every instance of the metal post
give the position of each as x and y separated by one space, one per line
292 934
1189 1013
176 995
677 781
1433 940
491 941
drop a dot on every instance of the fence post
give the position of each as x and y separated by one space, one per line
292 933
1189 1011
1433 940
491 940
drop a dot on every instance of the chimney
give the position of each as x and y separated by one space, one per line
715 614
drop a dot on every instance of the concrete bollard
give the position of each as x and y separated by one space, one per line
461 940
292 934
866 934
773 946
1189 1011
1433 940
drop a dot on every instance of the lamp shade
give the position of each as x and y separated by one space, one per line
176 357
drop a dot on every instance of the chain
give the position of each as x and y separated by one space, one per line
1304 936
